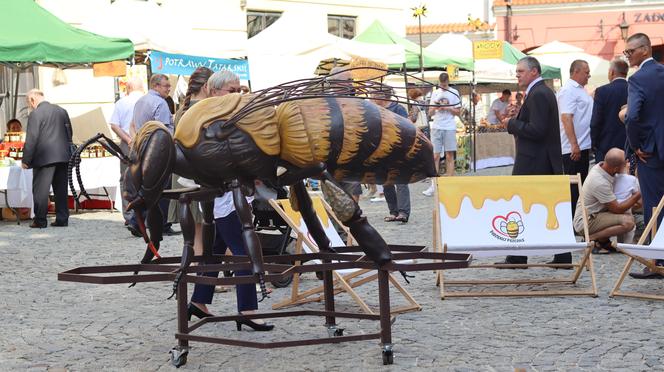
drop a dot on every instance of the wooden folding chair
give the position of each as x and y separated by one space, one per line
644 254
344 280
510 215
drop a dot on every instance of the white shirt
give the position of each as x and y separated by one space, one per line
124 110
574 100
533 83
499 106
624 186
645 60
444 120
224 205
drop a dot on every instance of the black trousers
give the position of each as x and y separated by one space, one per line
42 179
571 168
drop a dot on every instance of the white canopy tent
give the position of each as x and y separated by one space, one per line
152 27
559 54
486 70
293 46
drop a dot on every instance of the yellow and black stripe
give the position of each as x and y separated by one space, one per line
356 139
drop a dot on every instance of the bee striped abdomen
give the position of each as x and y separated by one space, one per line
356 139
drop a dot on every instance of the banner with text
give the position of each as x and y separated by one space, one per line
488 49
180 64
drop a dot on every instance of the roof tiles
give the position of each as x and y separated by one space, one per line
448 27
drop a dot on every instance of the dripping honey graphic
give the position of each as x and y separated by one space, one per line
548 191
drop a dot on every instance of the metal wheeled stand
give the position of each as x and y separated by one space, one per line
277 267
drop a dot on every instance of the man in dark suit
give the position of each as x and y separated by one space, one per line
645 126
47 151
606 129
536 131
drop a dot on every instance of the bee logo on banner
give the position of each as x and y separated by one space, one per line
508 228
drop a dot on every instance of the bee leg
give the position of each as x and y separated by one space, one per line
208 229
249 236
301 201
350 214
188 231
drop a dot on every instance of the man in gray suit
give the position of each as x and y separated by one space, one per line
47 151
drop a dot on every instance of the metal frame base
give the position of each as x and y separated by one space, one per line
278 267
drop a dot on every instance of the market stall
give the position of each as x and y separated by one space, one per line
31 36
100 176
273 61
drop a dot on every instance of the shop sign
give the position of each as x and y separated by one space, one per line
648 17
180 64
488 49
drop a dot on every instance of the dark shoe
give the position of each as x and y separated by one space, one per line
561 262
508 262
265 327
602 247
195 310
59 224
36 225
134 231
401 218
646 274
170 232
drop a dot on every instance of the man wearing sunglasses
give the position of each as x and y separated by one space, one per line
645 126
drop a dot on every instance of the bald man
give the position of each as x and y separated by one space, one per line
47 150
606 216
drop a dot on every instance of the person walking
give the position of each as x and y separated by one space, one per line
153 106
445 105
396 196
228 234
120 123
47 150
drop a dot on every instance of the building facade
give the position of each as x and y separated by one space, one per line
598 26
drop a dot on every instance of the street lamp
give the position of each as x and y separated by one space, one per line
418 12
624 28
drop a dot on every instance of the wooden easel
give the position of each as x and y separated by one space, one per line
651 229
585 262
342 282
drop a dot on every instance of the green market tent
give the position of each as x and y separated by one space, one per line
377 33
494 74
30 34
512 55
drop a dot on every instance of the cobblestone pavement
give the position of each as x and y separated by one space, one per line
49 325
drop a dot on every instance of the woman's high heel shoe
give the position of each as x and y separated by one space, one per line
255 326
195 310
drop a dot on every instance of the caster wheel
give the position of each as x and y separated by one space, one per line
178 357
388 357
338 332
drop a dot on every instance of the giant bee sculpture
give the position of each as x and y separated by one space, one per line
320 128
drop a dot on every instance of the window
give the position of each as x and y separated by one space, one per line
342 26
258 21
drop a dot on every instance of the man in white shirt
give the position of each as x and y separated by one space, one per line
120 123
499 107
575 107
446 103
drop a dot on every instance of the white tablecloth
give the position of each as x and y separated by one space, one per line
17 183
96 173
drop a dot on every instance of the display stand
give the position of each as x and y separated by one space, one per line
163 270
